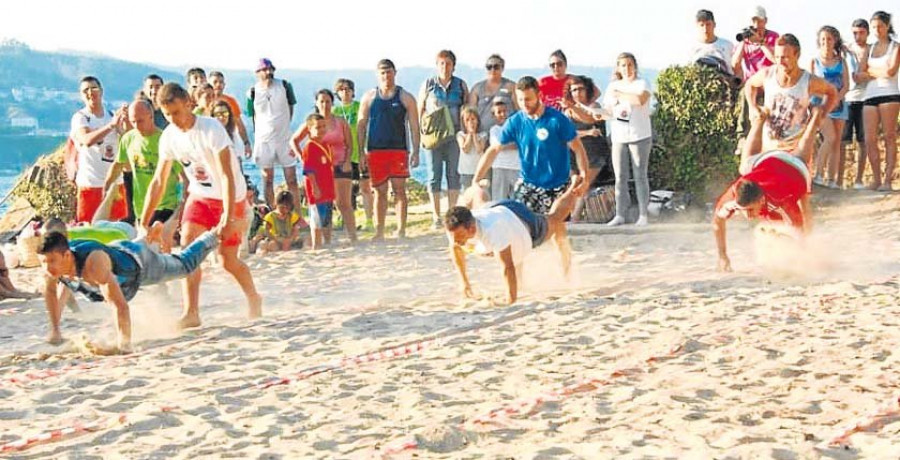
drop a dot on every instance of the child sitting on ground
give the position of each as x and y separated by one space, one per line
318 171
282 226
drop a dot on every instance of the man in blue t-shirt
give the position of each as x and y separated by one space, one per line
543 136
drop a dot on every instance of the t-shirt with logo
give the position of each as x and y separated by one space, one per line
543 146
318 160
630 123
94 160
197 150
552 90
783 185
142 154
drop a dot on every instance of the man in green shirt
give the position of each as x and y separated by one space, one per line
139 153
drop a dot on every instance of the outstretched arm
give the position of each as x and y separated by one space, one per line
509 273
459 261
719 230
98 270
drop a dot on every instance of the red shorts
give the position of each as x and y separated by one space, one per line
89 199
387 164
207 213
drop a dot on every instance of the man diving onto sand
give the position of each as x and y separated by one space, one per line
509 231
773 186
113 272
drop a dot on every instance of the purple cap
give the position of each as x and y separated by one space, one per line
264 63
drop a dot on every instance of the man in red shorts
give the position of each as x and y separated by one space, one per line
217 192
385 114
773 186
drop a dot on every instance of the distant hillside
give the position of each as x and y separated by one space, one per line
43 85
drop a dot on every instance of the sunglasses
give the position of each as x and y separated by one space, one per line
575 89
90 89
556 64
220 114
493 67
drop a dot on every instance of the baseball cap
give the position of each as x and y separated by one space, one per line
264 63
758 12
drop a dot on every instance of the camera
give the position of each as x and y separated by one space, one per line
745 34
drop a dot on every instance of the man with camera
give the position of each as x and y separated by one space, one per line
756 46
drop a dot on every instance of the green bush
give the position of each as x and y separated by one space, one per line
694 132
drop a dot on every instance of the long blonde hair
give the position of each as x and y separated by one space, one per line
621 56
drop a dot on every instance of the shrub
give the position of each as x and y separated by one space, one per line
694 132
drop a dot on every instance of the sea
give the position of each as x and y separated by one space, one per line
14 163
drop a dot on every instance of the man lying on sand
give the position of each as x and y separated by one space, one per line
113 272
773 185
509 231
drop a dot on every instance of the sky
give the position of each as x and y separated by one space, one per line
319 35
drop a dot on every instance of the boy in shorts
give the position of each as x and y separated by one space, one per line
318 173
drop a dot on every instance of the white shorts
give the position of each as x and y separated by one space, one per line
269 154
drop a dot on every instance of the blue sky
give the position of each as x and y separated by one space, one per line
355 33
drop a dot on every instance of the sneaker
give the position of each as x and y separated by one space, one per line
641 222
859 186
437 224
616 221
818 181
885 188
833 185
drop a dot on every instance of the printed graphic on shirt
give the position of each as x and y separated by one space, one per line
787 118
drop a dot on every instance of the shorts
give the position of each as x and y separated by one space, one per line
207 213
340 174
358 173
854 122
876 101
537 199
89 199
535 223
320 215
273 153
388 164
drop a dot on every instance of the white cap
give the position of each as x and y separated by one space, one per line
758 12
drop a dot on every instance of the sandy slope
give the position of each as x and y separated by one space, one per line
746 365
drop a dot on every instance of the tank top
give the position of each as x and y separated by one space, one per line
452 97
833 75
788 111
880 87
485 101
387 122
334 138
124 266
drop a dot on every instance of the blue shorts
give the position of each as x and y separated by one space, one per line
534 222
320 214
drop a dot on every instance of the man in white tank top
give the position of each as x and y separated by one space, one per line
788 90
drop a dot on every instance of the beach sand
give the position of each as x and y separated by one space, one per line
646 352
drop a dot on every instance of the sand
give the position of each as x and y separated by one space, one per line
646 353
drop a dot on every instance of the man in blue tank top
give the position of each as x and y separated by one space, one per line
385 115
113 272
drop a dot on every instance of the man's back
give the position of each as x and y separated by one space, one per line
499 228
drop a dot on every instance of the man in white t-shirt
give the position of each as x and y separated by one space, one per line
270 104
217 193
508 230
709 45
95 132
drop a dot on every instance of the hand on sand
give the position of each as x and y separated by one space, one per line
469 293
54 338
724 264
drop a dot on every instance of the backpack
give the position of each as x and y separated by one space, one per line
287 91
70 153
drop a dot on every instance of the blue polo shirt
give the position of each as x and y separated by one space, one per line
543 146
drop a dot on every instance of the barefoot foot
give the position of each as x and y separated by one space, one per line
188 322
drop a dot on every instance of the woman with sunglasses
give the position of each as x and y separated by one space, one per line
221 110
553 86
495 87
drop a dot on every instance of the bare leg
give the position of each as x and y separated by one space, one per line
344 190
888 114
399 186
290 177
753 143
835 162
268 176
861 155
870 124
823 155
452 197
381 204
241 273
435 198
365 189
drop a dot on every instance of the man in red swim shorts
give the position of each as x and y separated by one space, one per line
217 193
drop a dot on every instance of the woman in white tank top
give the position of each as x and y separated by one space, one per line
882 102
